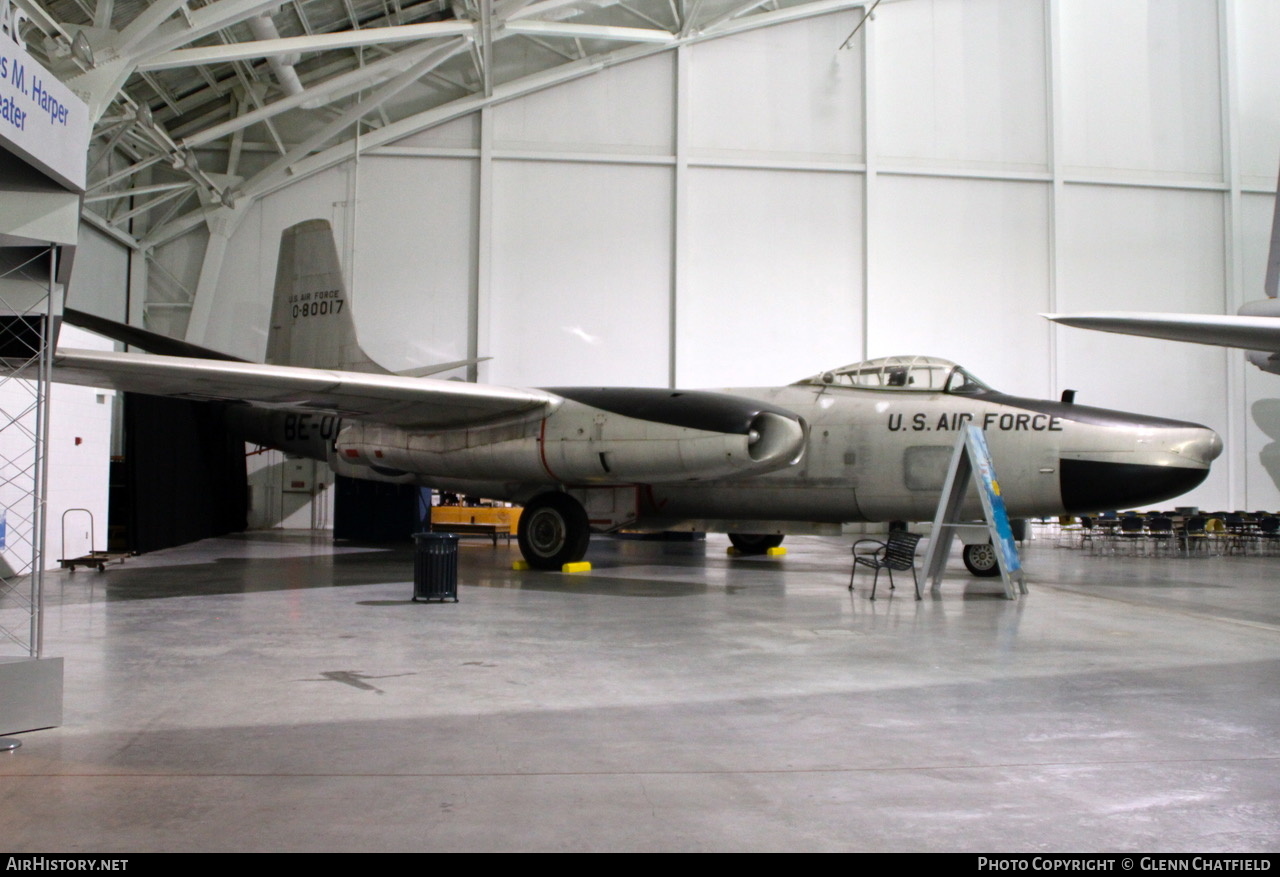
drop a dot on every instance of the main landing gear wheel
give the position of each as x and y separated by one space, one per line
981 560
754 543
553 531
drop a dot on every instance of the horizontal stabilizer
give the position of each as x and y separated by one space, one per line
152 342
428 370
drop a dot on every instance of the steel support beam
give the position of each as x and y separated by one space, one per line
222 225
142 27
330 89
335 155
589 31
374 36
203 21
535 10
281 166
141 190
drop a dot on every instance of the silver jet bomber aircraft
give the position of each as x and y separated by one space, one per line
867 442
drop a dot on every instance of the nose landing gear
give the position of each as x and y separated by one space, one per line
981 560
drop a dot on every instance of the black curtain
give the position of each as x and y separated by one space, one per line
372 511
184 472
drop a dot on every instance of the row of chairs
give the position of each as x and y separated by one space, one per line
1221 533
1156 533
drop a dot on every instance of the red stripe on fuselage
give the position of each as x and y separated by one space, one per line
542 450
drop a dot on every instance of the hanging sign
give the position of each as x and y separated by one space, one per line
41 119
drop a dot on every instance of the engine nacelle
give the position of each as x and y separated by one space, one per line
502 453
585 444
608 448
381 474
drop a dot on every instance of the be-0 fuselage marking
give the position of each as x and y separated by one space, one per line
303 427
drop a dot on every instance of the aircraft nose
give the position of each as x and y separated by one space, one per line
1164 461
1204 448
1178 445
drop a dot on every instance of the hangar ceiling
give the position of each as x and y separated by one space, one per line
201 105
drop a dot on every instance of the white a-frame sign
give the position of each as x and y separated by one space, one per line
971 459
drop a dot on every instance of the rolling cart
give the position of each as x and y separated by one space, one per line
100 559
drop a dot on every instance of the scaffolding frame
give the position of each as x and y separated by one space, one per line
28 299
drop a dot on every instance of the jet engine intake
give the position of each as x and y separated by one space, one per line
772 437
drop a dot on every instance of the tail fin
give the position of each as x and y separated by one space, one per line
311 322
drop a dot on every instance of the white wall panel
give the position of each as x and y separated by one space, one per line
629 108
79 452
1141 88
773 286
1258 91
79 446
100 275
961 83
414 253
1255 235
1145 250
961 270
460 133
581 274
785 91
271 506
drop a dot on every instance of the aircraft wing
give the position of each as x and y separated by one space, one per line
393 399
1248 332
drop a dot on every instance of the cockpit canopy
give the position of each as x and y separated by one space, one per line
924 374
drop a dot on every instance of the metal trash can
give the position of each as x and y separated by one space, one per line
435 567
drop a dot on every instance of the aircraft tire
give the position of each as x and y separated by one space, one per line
754 543
981 560
553 531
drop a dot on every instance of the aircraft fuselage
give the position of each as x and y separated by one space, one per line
821 455
882 455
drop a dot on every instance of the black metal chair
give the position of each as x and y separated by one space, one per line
1087 531
1160 532
1133 532
1268 533
1238 532
898 552
1194 536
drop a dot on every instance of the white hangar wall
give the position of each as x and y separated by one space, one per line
753 209
79 448
78 453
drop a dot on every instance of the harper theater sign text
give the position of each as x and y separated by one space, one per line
41 119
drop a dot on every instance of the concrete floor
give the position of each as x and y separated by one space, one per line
273 692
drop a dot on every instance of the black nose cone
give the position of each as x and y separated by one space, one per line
1091 486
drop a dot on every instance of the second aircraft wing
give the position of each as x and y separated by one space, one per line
1248 332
